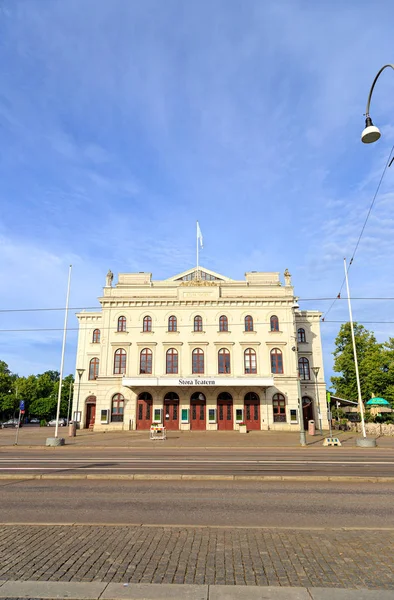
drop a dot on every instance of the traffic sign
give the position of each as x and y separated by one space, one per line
22 405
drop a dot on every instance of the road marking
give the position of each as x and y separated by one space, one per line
192 461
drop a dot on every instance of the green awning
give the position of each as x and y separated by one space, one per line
378 402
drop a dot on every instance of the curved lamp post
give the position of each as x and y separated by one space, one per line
371 133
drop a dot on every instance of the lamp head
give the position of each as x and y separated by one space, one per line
371 133
80 372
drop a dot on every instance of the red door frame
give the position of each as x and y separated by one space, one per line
90 415
144 413
225 415
251 411
171 408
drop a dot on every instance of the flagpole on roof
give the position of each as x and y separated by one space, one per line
199 240
197 247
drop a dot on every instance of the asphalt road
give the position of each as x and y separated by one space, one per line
318 461
225 503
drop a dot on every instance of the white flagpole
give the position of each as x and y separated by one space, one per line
197 245
59 396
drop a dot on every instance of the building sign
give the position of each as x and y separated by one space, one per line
132 382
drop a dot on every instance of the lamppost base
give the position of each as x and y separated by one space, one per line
366 442
53 441
302 438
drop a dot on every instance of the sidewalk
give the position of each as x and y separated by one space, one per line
36 437
145 591
243 558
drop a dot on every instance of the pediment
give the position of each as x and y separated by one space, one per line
201 273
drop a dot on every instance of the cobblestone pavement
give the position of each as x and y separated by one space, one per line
199 555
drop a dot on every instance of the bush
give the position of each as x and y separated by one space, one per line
43 423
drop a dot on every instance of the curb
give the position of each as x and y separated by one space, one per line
177 477
164 591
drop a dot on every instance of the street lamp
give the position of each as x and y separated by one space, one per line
316 373
295 349
80 373
371 133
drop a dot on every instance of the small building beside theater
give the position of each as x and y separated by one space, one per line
199 351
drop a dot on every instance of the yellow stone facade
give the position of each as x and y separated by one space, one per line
244 338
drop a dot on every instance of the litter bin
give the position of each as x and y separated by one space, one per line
72 428
311 427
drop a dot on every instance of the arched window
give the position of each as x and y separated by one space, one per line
94 368
117 408
147 324
276 361
223 323
172 324
172 361
301 335
303 368
250 361
198 323
122 324
120 362
248 323
274 323
96 336
279 408
146 361
224 361
197 361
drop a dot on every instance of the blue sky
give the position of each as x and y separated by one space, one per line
123 122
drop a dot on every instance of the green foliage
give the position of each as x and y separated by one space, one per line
375 361
39 392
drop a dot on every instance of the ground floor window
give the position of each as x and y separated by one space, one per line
279 408
117 408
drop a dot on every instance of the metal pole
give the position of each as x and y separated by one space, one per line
80 373
330 418
59 396
316 373
360 401
300 409
19 418
373 85
69 404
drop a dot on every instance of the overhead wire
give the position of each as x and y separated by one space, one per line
388 164
99 308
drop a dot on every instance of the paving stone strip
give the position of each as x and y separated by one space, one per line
329 558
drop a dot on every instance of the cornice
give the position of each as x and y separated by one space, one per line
149 302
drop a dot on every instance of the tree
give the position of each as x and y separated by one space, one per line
375 362
8 400
345 384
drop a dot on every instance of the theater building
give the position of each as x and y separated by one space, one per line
198 351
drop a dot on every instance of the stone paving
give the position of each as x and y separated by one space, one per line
335 558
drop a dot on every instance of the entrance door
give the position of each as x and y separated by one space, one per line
90 416
144 411
307 410
252 411
225 411
197 411
171 411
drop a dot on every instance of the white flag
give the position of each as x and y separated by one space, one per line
199 235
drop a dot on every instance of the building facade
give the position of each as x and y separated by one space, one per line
199 351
